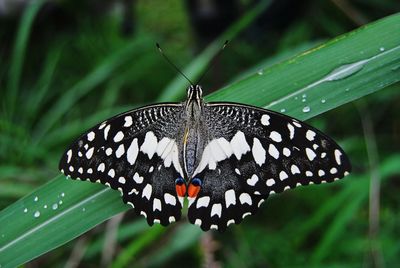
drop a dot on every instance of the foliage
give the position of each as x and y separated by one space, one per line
82 78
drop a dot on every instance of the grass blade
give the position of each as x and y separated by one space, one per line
18 55
287 80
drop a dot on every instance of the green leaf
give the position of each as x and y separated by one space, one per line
354 61
342 70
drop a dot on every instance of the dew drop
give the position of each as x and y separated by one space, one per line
323 100
36 199
60 202
382 49
37 214
54 206
83 209
345 71
25 210
62 194
303 100
283 110
296 98
45 206
347 89
304 96
306 109
260 72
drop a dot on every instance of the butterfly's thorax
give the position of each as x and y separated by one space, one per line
193 141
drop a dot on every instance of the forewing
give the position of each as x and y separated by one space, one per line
137 154
252 153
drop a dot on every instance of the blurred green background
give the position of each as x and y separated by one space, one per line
67 65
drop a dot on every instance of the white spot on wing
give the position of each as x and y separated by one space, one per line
296 124
273 151
239 145
121 180
147 191
225 146
310 135
69 155
230 198
90 136
101 167
217 152
275 136
120 151
265 120
109 151
270 182
169 199
119 136
216 210
162 145
106 130
156 204
128 121
246 214
295 169
89 153
149 145
132 152
286 152
337 156
258 152
283 175
291 130
310 154
137 178
197 222
253 180
111 173
203 202
245 198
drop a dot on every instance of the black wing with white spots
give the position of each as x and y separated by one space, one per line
252 153
135 153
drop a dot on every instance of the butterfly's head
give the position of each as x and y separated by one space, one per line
194 92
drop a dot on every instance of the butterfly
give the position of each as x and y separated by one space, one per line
225 158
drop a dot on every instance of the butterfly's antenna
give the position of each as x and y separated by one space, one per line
172 64
213 61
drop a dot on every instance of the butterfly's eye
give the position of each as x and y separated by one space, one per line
180 187
199 91
190 90
194 187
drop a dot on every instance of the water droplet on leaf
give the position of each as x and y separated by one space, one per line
306 109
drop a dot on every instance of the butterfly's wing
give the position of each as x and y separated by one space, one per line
136 153
252 153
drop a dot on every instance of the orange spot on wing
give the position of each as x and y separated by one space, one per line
180 190
193 190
